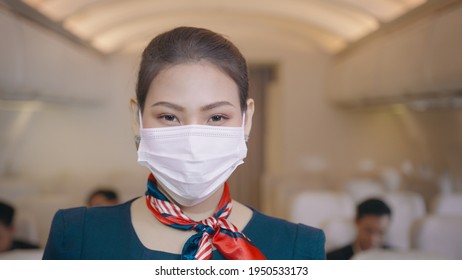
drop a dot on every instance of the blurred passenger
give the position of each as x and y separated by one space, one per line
103 197
372 220
7 230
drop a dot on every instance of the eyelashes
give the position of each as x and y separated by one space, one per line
218 118
171 119
168 118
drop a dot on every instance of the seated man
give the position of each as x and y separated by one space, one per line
103 197
7 242
372 220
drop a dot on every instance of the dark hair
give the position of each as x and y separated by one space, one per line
109 194
374 207
191 44
6 214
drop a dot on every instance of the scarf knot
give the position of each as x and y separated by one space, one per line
201 228
215 231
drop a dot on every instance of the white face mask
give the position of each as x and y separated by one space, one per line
192 161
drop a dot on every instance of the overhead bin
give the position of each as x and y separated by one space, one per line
445 52
356 76
403 67
420 60
10 55
37 64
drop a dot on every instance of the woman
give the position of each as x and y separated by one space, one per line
195 114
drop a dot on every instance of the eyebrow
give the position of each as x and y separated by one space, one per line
215 105
203 108
170 105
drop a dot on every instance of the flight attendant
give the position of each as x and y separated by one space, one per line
194 118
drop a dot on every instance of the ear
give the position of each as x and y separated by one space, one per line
135 117
249 116
135 120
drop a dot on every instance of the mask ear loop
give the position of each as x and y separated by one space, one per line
246 137
138 137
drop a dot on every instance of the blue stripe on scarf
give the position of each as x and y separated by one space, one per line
154 191
191 247
219 212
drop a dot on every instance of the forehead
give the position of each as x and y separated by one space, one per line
200 81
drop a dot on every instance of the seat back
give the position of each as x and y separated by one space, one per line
362 189
448 204
440 235
339 232
26 227
315 207
22 254
407 208
381 254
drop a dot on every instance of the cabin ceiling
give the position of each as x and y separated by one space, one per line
115 25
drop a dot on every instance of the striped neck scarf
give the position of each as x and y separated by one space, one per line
215 231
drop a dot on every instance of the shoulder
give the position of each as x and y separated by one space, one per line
64 238
73 227
74 218
343 253
281 239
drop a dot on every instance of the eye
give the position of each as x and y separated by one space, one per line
218 119
168 118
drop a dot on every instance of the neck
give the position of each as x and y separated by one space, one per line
204 209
